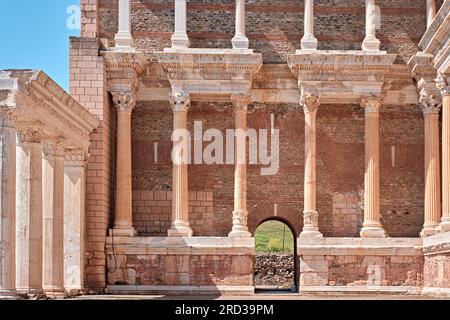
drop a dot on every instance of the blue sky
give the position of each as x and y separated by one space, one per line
34 35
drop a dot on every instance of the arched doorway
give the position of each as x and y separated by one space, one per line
275 261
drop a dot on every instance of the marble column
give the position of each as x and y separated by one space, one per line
29 211
240 213
240 40
310 104
180 38
372 227
180 205
371 43
432 208
444 87
123 225
74 219
53 224
309 41
431 12
123 37
7 204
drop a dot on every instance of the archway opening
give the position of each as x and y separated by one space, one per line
275 261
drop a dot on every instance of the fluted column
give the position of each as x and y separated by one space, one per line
432 208
123 37
123 225
372 227
240 213
180 205
53 228
240 40
179 37
74 219
29 211
371 43
7 204
309 41
444 88
431 12
310 104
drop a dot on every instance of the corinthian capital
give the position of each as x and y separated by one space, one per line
372 104
430 102
179 102
124 101
309 102
442 85
240 101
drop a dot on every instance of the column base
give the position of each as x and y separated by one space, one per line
240 42
8 295
310 234
428 231
123 232
309 43
180 40
239 234
29 291
373 232
55 292
444 226
371 44
123 40
180 232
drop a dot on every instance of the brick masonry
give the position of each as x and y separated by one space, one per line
437 270
273 27
181 270
88 86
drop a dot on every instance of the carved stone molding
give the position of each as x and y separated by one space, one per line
76 158
179 101
7 117
30 133
372 104
241 102
124 101
442 85
309 102
430 103
311 218
53 148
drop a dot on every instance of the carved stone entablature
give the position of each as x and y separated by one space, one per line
422 67
76 157
124 70
210 71
442 85
372 103
54 148
430 102
124 101
241 102
179 101
309 102
29 132
35 98
341 76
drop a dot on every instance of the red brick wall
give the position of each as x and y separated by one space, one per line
340 166
274 27
437 270
88 86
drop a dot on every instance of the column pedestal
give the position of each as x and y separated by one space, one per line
372 227
180 202
310 104
7 205
240 213
29 213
